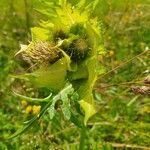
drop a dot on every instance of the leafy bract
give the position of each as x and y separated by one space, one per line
39 34
85 90
88 109
52 77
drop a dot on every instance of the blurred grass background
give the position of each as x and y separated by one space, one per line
123 117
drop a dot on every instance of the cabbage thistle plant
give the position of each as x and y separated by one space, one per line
62 56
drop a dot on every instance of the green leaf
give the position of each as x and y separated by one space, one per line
107 146
52 76
132 101
66 103
85 90
39 34
76 120
63 95
80 73
88 109
66 108
51 109
34 100
97 96
100 8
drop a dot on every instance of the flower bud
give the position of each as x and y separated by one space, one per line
38 53
78 49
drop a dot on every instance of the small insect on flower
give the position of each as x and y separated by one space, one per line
36 109
24 103
29 109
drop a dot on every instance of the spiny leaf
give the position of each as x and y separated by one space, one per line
63 96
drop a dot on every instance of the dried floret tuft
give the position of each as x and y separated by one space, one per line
41 52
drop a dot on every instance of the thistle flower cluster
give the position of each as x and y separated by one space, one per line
76 46
63 51
40 52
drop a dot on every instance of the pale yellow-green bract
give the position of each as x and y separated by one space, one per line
54 76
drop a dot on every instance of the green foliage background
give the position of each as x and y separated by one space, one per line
122 117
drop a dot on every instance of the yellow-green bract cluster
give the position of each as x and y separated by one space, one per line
68 43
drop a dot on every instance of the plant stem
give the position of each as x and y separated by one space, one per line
27 15
124 84
82 138
124 63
